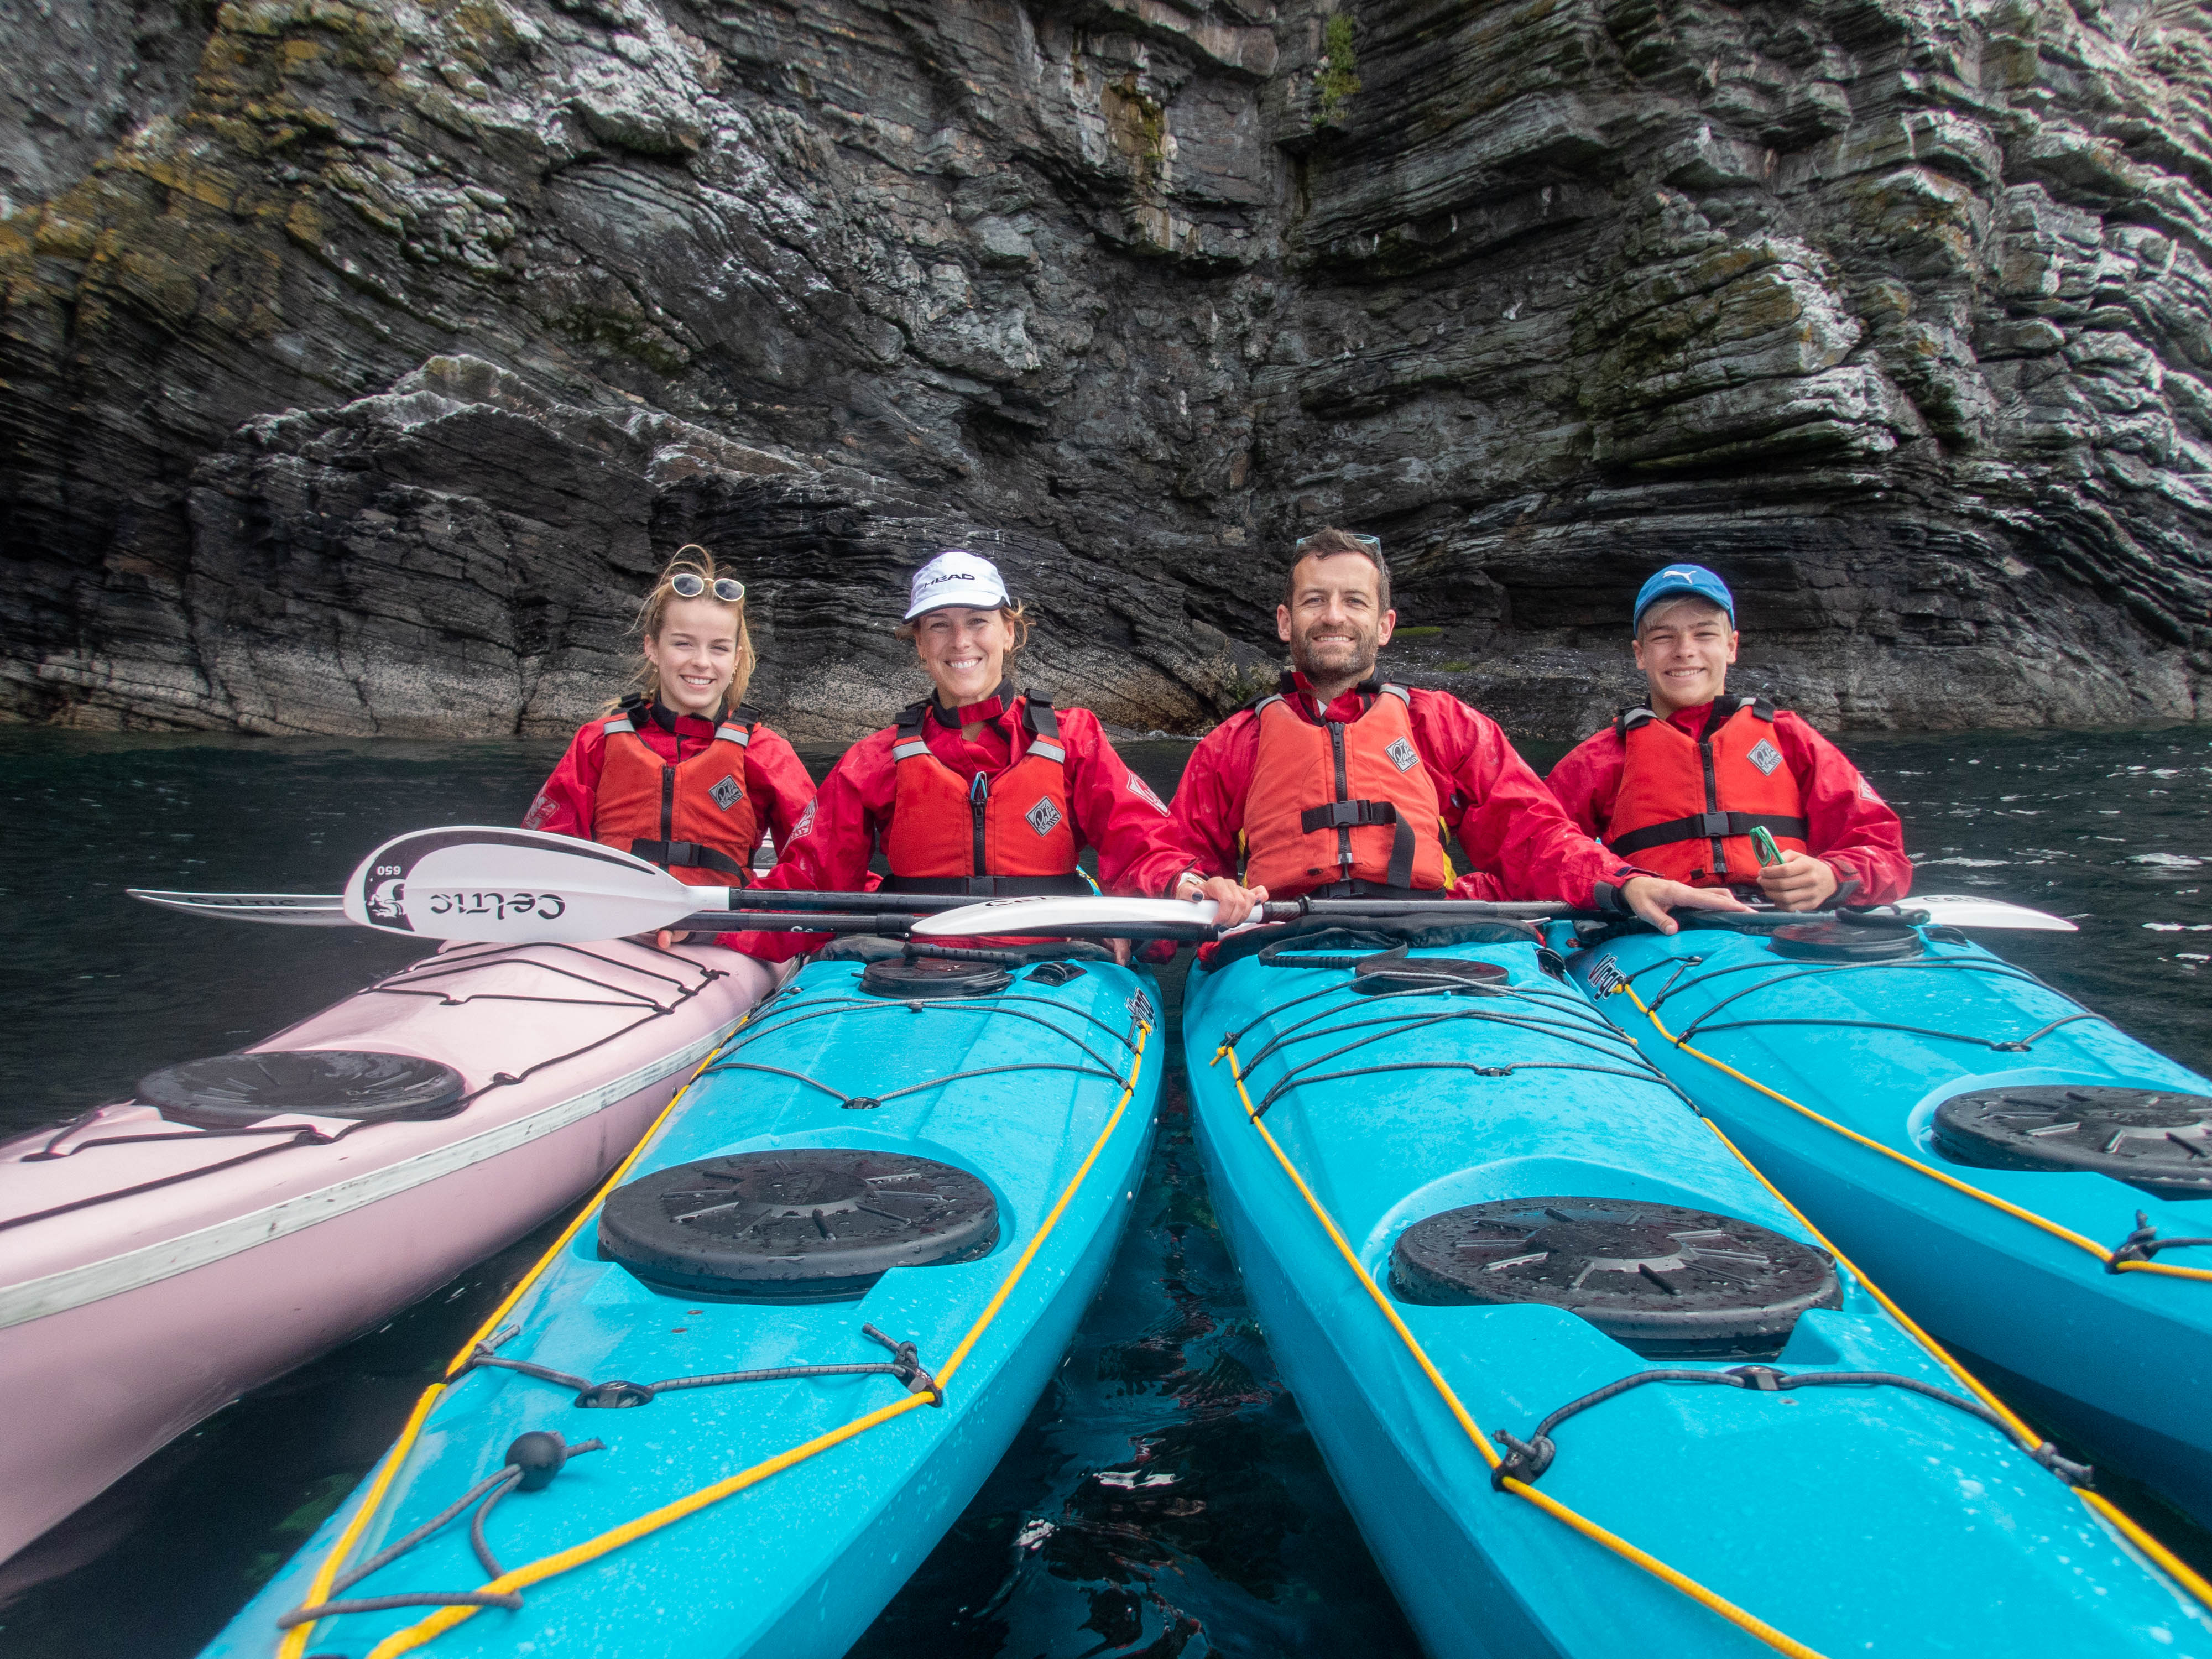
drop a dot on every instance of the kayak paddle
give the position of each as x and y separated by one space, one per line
287 909
1964 910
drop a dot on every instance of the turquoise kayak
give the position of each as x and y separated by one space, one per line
1588 1385
2029 1182
739 1401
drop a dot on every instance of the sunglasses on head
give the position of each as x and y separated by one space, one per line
1372 544
690 585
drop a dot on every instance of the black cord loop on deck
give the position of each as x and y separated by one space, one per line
2144 1244
1527 1460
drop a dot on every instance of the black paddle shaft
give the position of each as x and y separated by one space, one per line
793 921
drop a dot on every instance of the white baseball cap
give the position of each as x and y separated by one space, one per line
957 577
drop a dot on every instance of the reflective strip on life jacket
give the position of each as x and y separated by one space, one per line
1686 806
1010 836
1341 802
694 818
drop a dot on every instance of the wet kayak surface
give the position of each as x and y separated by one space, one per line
1165 1496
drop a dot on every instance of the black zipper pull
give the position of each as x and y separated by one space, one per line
978 794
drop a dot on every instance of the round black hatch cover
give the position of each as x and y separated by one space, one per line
911 979
226 1091
1394 970
1666 1281
1836 941
2152 1137
811 1224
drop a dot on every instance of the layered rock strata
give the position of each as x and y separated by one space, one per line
360 361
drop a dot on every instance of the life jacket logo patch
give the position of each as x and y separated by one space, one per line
1402 756
1044 817
1765 757
728 793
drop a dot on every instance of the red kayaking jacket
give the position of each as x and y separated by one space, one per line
1107 806
1520 844
777 789
1847 825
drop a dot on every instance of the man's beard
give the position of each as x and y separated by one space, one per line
1358 663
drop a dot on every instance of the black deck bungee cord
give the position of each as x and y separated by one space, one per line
905 1363
530 1464
1609 1042
1527 1460
399 983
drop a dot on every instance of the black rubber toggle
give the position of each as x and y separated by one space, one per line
226 1091
811 1222
1662 1280
2159 1139
539 1456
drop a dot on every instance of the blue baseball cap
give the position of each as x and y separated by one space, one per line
1680 578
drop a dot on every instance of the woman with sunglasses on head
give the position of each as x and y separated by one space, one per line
979 788
681 773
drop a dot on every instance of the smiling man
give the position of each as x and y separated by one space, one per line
1679 783
1341 784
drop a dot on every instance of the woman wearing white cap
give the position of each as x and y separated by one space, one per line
980 788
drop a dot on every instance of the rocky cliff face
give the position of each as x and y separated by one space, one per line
360 360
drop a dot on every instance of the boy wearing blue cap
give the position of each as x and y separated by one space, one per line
1680 784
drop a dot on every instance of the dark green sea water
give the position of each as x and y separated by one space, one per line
1244 1548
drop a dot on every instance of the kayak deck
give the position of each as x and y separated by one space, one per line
1045 1093
1845 1517
2026 1268
158 1269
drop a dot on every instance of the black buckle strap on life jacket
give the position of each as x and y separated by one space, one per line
689 855
1346 814
987 887
1037 716
1704 826
1352 814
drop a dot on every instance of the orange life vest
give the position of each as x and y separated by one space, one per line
1341 804
1686 806
1004 838
693 818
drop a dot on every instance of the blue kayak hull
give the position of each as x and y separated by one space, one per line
1046 1093
1847 1518
2121 1363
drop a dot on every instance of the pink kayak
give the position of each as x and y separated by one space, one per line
157 1260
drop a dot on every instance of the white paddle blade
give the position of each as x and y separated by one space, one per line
515 887
1964 910
287 909
1016 917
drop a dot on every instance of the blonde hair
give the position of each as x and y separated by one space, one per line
1015 616
653 612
